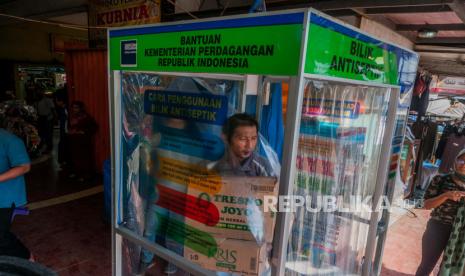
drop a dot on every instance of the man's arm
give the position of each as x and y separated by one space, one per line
440 199
15 172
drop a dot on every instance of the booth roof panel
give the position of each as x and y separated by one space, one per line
335 49
350 31
267 20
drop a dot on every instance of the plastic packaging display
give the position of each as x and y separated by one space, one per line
338 154
172 193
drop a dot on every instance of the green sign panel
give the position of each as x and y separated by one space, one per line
331 53
271 50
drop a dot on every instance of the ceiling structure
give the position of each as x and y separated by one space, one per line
443 54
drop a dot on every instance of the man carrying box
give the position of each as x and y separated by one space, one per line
239 252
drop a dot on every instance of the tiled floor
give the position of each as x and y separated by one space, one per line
402 253
46 181
72 239
69 238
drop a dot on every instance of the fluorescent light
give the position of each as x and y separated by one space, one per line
427 33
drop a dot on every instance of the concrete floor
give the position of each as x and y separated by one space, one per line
402 253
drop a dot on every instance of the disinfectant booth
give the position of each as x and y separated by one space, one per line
198 188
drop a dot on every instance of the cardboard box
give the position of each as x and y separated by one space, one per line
235 256
239 201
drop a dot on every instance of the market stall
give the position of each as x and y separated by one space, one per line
435 138
173 88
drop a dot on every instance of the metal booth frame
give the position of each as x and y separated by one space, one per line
292 124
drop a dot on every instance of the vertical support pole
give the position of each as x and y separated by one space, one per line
243 101
381 177
114 80
386 216
288 171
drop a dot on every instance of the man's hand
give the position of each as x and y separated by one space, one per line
454 195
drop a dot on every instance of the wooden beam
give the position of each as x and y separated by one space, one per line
441 40
438 49
410 9
337 13
344 4
439 56
459 8
339 7
437 27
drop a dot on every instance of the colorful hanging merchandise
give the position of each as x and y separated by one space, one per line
420 96
20 119
453 263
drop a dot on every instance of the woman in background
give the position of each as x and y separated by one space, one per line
81 129
443 195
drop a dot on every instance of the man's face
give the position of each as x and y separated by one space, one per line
243 141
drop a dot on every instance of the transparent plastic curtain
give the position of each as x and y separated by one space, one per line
172 192
341 131
146 141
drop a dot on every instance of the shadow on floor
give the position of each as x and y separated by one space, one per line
390 272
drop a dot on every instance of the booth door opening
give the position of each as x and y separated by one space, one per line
269 107
339 148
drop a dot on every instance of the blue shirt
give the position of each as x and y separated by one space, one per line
12 154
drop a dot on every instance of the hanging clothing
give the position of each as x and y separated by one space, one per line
420 85
448 130
426 131
455 144
420 96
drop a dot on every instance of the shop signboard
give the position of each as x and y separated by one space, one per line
243 46
337 51
114 13
445 85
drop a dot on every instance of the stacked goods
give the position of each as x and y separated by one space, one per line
243 232
235 256
328 158
328 164
239 201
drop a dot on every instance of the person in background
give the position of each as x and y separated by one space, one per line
14 163
46 112
30 89
241 134
81 129
63 147
443 195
